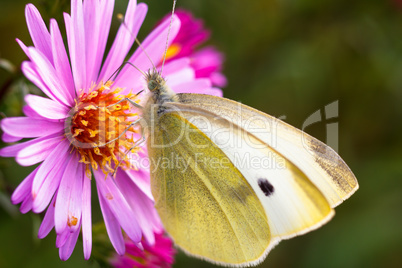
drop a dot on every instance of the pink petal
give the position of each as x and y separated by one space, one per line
61 62
106 8
23 46
29 70
214 91
38 31
86 218
26 204
49 76
24 188
112 226
67 249
218 79
37 152
141 178
140 204
67 22
49 175
130 78
11 151
29 112
61 238
175 65
77 45
75 205
92 18
196 86
48 221
124 40
118 205
9 138
206 61
183 76
25 127
69 178
46 107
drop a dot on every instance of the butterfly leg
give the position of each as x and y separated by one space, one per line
121 134
136 144
125 99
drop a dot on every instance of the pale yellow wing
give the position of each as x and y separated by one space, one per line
216 211
292 203
210 212
322 165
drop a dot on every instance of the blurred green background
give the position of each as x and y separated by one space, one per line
283 57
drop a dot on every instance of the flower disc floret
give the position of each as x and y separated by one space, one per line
99 127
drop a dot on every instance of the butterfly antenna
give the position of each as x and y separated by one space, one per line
121 18
146 54
121 67
167 38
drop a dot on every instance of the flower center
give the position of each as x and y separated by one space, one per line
99 128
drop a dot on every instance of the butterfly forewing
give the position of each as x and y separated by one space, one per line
293 204
320 163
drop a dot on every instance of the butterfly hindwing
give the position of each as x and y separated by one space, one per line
205 203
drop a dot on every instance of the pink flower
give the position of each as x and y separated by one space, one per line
76 130
159 255
206 62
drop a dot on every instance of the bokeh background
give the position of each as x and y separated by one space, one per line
283 57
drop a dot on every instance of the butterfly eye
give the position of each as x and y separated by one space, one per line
152 85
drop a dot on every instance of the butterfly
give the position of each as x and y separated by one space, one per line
238 180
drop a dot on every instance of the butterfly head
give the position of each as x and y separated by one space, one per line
155 82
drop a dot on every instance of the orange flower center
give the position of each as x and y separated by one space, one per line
99 128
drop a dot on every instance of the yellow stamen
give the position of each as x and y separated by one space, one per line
97 123
172 51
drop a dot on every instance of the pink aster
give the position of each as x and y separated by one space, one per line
66 127
159 255
207 61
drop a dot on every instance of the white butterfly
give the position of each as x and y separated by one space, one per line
224 204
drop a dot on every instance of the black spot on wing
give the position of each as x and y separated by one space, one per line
266 187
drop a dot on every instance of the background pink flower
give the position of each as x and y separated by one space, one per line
207 62
159 255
